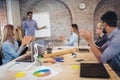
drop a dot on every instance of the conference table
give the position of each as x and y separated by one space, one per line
70 67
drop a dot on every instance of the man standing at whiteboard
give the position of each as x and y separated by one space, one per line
30 25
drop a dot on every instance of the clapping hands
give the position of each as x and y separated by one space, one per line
62 38
86 34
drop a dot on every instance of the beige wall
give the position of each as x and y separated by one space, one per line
104 6
13 12
65 12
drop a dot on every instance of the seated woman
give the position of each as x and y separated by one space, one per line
74 38
19 36
102 39
10 47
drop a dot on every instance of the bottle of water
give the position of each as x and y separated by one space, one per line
76 46
38 60
49 47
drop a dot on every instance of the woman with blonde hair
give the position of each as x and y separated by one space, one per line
100 31
18 35
10 46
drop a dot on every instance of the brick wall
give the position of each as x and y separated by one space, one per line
65 12
104 6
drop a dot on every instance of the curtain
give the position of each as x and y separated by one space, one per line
3 16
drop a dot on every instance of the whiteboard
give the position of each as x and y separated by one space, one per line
42 19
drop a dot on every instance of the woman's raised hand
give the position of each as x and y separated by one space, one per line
26 40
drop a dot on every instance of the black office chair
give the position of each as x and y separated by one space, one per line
0 59
1 55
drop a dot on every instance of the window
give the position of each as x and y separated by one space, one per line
3 16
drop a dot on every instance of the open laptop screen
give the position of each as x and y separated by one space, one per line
35 48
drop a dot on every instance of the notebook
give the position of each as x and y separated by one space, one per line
93 70
35 49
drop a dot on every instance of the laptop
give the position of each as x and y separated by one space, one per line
35 49
93 70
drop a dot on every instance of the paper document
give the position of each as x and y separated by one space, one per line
19 66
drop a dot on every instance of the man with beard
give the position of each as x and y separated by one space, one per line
109 52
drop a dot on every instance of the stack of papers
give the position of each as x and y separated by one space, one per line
19 66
